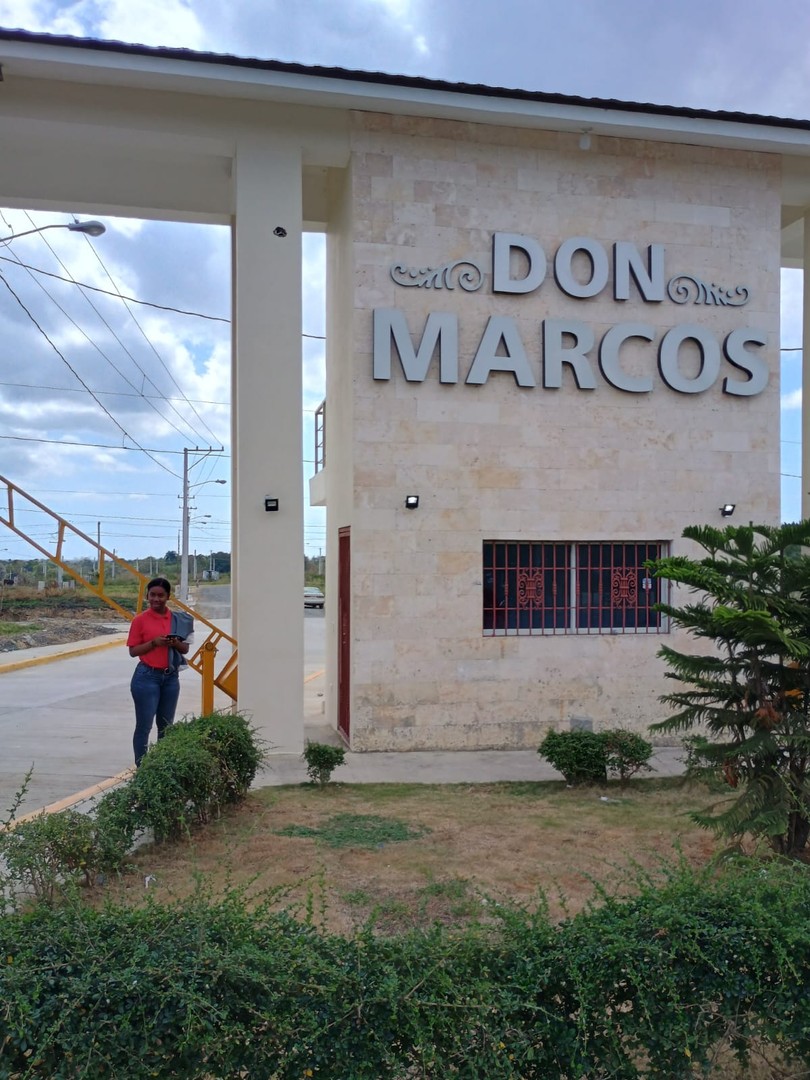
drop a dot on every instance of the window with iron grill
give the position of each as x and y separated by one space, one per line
596 588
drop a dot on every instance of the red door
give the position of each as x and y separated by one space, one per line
344 626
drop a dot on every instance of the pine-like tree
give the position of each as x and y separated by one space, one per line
747 701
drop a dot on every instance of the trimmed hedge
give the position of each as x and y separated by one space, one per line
642 987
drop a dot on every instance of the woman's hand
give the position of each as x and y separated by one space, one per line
175 642
162 641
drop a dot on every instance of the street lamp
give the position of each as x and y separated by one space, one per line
90 228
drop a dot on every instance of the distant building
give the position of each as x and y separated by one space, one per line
553 342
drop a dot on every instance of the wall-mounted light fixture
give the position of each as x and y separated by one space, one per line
411 502
727 509
271 504
585 139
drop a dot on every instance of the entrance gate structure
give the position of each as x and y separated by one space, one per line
478 399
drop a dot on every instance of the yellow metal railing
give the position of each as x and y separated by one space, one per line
204 660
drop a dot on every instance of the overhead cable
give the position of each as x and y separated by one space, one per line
100 446
87 299
149 342
134 299
112 364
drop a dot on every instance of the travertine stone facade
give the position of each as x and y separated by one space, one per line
502 461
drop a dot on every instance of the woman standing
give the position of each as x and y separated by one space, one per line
155 685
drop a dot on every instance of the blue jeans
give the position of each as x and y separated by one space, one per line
155 693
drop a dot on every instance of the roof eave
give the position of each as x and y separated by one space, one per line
151 69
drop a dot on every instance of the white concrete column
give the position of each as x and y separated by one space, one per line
806 373
269 547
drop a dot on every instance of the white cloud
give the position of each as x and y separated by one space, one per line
152 22
44 16
792 400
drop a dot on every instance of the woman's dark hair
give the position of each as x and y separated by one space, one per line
161 583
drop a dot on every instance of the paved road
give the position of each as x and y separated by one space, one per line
72 718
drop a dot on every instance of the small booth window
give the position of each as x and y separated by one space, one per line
590 588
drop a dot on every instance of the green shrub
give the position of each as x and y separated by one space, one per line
192 772
586 757
647 987
322 760
579 755
46 852
177 785
198 767
626 753
233 742
118 823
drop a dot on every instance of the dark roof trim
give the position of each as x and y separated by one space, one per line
384 79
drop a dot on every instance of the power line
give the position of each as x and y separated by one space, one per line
100 446
133 299
116 295
87 299
119 393
126 494
147 340
116 369
103 408
123 393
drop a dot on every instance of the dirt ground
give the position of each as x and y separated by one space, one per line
408 855
58 629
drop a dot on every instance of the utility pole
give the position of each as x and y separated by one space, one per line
186 520
185 524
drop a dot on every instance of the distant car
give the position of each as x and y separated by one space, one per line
313 597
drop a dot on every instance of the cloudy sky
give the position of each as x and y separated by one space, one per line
87 369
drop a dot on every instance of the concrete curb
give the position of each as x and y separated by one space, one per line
80 797
59 652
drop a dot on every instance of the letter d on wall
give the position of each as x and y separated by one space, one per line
503 244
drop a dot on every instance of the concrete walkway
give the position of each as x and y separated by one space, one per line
66 710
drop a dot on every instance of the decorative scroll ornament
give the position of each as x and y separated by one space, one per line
685 287
530 588
624 588
468 274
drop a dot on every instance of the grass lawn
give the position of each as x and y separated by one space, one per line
410 854
10 629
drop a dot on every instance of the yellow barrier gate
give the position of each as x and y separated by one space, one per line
204 660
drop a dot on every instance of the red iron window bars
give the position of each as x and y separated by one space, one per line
594 588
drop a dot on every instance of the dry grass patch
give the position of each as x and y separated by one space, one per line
463 846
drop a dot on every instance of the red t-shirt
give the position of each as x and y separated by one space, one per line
147 626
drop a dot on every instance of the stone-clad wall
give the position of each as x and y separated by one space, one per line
499 461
